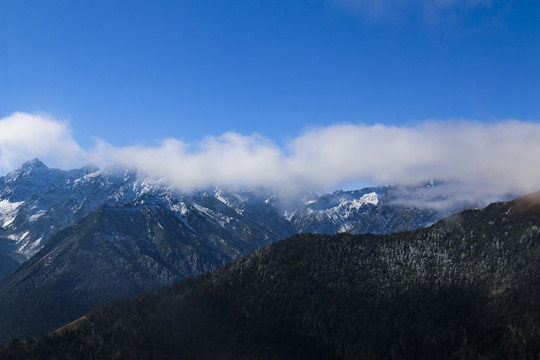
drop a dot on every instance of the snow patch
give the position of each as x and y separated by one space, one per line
7 207
36 243
203 209
179 207
218 195
8 211
37 215
288 214
370 198
8 221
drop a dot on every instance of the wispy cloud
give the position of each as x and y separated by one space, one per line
485 159
429 10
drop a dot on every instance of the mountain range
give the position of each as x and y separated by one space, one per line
72 240
36 202
465 287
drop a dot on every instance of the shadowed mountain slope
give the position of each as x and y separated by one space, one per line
114 253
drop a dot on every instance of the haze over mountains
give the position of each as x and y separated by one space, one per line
93 235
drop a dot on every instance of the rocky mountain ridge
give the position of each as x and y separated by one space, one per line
36 202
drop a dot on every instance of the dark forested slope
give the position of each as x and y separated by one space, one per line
467 287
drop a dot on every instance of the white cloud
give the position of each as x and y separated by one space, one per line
488 160
500 157
229 159
24 136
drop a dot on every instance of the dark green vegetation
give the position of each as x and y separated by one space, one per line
467 287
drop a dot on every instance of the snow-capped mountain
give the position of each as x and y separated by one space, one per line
36 202
72 240
378 210
336 212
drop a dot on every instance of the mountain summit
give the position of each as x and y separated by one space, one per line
35 163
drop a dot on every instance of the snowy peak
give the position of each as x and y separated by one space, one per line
33 164
30 169
339 211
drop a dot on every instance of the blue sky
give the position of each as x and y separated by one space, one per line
133 73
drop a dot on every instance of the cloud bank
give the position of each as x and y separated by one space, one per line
487 159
